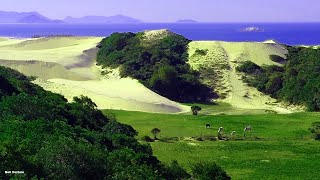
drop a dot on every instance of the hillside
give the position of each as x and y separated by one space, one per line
46 137
148 70
66 65
217 64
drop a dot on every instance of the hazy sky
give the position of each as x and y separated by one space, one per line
172 10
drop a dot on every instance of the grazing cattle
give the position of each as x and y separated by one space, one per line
247 128
233 133
220 129
208 126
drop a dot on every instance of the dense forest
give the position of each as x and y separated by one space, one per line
160 64
296 82
47 137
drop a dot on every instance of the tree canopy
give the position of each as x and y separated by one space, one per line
160 65
48 138
296 82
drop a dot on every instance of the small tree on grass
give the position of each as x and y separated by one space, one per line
195 110
155 132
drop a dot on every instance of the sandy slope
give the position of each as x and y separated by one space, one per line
66 65
223 57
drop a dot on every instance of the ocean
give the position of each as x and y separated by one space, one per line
291 34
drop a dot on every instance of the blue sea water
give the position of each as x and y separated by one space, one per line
291 34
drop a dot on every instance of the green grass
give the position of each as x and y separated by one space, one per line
285 148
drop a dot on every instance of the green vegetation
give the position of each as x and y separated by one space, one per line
205 171
315 129
201 52
297 82
279 146
277 59
160 65
155 132
48 138
248 67
195 110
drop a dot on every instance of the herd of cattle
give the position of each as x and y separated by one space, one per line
221 129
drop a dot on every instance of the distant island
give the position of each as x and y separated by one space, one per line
252 29
118 19
36 18
187 21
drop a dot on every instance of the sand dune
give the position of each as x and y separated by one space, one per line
63 50
66 65
223 57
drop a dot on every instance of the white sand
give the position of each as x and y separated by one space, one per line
223 57
66 65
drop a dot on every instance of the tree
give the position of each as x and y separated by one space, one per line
155 132
195 110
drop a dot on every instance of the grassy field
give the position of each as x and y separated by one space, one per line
279 146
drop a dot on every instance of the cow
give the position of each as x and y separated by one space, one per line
220 129
247 128
233 133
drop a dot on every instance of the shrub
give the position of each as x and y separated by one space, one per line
315 129
195 110
208 171
248 67
147 139
201 52
175 171
277 59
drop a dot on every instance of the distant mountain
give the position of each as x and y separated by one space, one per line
187 21
118 19
34 19
25 17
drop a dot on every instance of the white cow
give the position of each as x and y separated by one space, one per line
220 129
233 133
247 128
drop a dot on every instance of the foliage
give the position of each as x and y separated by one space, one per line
248 67
315 129
297 82
147 139
201 52
209 171
175 171
195 110
277 59
155 132
160 65
49 138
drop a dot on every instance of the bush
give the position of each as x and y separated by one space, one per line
147 139
315 129
277 59
208 171
175 171
201 52
248 67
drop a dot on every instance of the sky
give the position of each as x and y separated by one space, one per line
173 10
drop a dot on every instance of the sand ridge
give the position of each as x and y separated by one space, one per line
66 65
222 58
